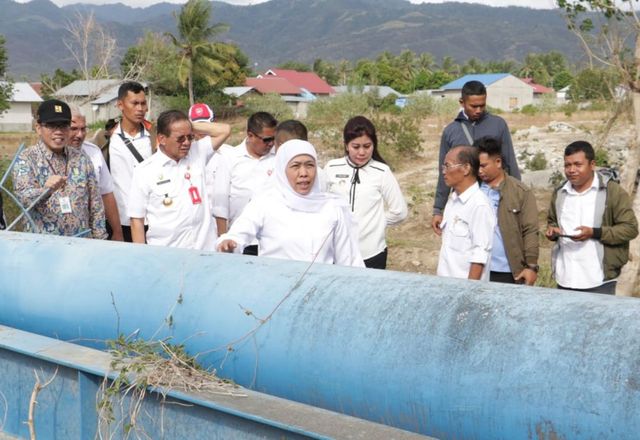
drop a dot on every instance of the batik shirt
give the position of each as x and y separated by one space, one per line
30 172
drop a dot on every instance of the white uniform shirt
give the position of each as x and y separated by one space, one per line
103 176
467 233
123 163
295 235
218 193
578 264
182 224
377 188
247 176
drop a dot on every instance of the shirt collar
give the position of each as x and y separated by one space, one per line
467 194
568 187
141 133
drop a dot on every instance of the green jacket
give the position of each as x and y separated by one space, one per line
618 227
518 223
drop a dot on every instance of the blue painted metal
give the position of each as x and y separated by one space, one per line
66 408
443 357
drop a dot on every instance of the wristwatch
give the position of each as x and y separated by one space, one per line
533 267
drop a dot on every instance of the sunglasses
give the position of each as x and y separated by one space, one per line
183 138
266 140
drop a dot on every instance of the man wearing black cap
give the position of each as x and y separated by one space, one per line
59 178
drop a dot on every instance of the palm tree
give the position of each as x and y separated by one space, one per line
199 55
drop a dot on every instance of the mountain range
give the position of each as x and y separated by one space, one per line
301 30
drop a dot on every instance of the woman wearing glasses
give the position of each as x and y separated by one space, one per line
168 188
295 220
364 179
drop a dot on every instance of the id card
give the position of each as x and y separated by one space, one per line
195 195
65 204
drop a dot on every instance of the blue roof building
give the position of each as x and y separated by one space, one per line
504 91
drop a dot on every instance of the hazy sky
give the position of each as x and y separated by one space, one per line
540 4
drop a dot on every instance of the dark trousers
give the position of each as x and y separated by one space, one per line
251 250
126 233
502 277
608 288
377 261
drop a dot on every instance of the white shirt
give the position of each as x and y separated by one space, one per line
218 193
246 177
103 176
123 163
295 235
467 233
182 223
377 188
578 263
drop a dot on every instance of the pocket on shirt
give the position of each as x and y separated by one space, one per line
460 235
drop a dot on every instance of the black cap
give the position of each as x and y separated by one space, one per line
54 110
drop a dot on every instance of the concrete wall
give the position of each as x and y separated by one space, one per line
17 118
509 94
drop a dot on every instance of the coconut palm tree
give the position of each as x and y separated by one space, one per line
199 55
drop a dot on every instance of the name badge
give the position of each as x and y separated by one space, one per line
342 176
195 195
65 204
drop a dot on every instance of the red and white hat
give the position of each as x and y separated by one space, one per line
201 112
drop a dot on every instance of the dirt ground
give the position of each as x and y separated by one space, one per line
413 247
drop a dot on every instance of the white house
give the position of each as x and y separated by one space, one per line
95 98
19 116
504 91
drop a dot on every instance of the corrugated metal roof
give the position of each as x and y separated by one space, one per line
23 92
383 91
236 91
485 78
308 80
87 88
273 84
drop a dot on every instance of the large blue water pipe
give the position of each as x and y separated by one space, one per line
444 357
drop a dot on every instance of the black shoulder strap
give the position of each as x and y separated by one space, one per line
131 148
2 223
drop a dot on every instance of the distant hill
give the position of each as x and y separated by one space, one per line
302 30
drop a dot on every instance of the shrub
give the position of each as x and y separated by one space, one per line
602 157
420 106
569 108
556 178
397 137
271 103
529 110
537 162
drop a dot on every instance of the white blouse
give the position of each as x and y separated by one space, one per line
377 188
295 235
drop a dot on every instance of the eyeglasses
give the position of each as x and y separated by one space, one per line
185 137
266 140
449 166
53 126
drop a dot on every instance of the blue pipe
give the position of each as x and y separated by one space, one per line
443 357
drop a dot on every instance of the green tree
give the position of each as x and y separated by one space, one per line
59 79
199 55
295 65
608 44
6 87
593 84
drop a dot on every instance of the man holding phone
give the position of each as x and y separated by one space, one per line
592 223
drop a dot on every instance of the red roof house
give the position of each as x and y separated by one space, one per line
306 80
537 88
281 86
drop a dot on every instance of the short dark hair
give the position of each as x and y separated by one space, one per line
292 129
110 124
577 146
130 86
167 118
469 155
259 121
473 88
489 145
360 126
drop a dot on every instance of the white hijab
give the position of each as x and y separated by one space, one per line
315 200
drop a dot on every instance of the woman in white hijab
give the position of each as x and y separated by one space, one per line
294 219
